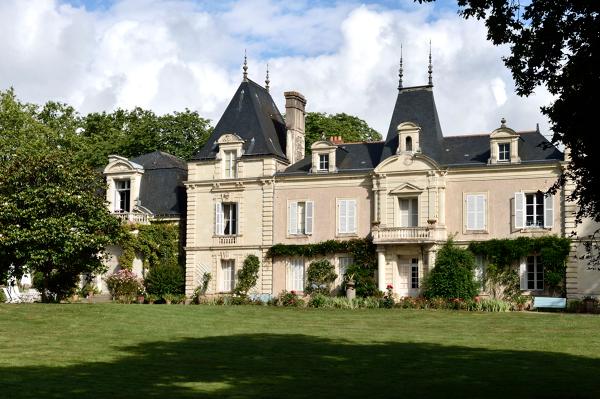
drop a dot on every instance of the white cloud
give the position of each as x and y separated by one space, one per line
169 55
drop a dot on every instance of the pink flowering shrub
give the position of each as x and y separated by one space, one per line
124 285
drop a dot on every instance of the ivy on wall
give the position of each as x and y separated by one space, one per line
156 244
362 250
504 253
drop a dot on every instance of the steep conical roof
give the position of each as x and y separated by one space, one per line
252 115
416 105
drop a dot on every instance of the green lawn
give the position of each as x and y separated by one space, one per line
138 351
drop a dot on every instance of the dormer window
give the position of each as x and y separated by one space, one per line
408 143
123 195
230 164
408 137
323 162
504 152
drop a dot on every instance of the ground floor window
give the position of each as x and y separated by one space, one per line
344 263
296 275
535 273
227 275
414 274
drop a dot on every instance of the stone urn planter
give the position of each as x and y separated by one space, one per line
350 291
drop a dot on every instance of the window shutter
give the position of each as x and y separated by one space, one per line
548 211
480 215
519 210
523 273
293 218
351 218
308 221
219 225
342 220
470 212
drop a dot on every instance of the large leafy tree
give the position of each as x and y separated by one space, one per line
555 44
53 219
351 128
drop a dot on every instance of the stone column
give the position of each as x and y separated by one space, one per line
381 269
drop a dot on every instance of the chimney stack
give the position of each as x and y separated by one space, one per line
337 140
294 122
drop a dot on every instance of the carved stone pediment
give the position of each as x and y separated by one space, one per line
230 138
406 188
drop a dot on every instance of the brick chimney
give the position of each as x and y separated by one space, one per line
294 122
337 140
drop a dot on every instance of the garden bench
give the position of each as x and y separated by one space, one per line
549 302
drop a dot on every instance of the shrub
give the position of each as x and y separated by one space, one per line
124 285
452 276
290 299
247 276
164 279
319 277
364 280
202 288
2 296
317 301
59 285
388 299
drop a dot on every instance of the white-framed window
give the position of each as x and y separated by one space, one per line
532 273
226 218
230 164
343 263
123 195
480 268
476 212
534 210
323 162
409 212
504 152
295 281
346 216
414 273
300 217
227 275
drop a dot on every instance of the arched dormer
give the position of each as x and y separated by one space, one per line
323 157
504 145
230 151
408 138
123 178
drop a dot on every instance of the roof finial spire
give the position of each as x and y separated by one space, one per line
245 67
430 70
400 71
267 81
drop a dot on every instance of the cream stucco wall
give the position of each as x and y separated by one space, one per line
500 186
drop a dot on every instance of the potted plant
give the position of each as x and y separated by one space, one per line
151 298
169 298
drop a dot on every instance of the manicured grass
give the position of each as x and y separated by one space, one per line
139 351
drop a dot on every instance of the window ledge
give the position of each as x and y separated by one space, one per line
301 235
476 232
346 234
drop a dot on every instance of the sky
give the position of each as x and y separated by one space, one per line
169 55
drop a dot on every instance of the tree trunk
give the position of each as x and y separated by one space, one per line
45 290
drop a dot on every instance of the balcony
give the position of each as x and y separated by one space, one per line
225 240
399 235
130 217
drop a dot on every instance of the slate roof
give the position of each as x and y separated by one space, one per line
252 115
417 105
161 190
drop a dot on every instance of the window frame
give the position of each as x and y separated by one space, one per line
481 215
221 221
323 165
294 214
342 206
533 275
521 208
227 263
412 212
414 274
119 192
295 282
230 164
504 154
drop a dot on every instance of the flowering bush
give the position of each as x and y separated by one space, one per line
388 299
124 285
289 299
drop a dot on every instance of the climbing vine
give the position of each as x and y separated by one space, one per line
362 250
156 244
502 254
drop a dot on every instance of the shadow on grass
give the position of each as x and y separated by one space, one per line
263 365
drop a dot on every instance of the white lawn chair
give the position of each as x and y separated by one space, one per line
10 295
30 296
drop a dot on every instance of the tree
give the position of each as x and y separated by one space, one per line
351 128
319 277
53 219
452 277
248 275
556 44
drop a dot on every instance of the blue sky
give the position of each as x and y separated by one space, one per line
168 55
